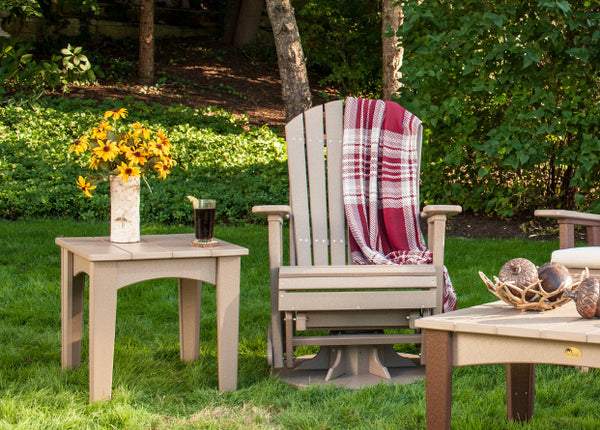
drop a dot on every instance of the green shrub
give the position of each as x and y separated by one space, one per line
509 93
217 156
21 73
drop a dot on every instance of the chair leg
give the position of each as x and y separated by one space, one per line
289 334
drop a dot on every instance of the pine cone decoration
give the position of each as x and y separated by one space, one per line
586 300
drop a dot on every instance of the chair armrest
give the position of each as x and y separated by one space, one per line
567 220
431 210
267 210
436 228
275 215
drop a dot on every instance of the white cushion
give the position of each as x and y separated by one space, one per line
583 256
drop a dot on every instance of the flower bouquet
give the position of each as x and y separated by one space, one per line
123 153
130 150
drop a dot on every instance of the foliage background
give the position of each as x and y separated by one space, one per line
508 91
217 156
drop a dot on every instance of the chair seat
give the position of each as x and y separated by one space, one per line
580 257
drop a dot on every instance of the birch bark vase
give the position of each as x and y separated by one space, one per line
124 209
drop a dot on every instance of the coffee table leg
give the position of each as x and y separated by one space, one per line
190 292
228 306
438 379
520 391
71 312
103 314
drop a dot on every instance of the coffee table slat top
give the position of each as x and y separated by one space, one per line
499 318
148 248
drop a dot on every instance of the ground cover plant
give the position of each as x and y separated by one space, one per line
152 388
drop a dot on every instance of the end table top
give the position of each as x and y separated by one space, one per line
161 246
501 319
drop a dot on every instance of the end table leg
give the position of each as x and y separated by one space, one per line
103 314
520 391
72 288
438 378
228 306
190 292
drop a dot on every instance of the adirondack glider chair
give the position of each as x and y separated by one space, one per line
320 291
576 259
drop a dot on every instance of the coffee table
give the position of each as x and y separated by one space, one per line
111 266
498 333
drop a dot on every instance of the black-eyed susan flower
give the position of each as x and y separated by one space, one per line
127 170
137 155
158 147
123 150
94 163
162 169
141 131
85 186
80 145
163 138
116 113
106 151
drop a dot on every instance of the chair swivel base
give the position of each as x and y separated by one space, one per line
354 367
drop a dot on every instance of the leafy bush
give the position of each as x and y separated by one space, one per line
21 73
343 41
509 93
217 155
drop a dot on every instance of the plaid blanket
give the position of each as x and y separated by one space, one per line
380 174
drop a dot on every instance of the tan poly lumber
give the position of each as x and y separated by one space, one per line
320 289
111 266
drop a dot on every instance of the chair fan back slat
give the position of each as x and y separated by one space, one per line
334 129
315 160
299 223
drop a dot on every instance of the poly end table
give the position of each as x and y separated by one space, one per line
498 333
111 266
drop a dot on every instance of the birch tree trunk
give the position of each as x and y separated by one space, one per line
146 59
290 58
392 51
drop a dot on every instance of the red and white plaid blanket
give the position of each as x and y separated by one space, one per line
380 174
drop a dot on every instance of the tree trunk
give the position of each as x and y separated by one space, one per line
290 58
392 52
243 22
146 60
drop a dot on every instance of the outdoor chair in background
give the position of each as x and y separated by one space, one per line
320 298
576 259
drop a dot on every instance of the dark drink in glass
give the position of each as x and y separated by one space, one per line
204 220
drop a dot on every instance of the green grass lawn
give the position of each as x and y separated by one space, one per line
153 389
